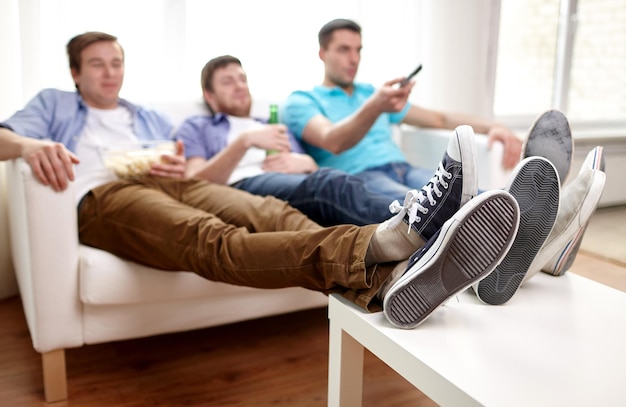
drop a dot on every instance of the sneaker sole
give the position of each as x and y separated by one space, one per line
550 137
536 187
467 147
468 248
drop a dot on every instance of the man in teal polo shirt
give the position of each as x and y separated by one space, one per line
347 125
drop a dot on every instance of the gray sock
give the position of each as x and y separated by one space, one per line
395 275
392 241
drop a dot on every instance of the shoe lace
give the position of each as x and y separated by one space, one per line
414 198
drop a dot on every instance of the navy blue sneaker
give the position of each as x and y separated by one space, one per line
454 183
465 250
535 185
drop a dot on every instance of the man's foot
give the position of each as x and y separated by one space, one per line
424 212
550 137
578 203
535 185
466 249
455 182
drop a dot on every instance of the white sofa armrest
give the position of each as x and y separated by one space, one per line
425 147
44 244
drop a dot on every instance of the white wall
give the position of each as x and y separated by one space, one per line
168 41
459 44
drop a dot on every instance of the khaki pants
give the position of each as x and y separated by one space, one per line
227 235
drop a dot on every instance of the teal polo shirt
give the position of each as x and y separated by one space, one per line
377 148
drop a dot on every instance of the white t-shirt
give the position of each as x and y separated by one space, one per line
251 162
104 128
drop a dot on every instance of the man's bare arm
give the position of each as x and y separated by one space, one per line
418 116
219 168
340 136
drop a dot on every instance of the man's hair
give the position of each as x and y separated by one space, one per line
209 69
326 32
77 44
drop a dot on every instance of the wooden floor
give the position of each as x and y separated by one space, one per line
279 361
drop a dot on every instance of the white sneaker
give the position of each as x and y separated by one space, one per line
465 250
566 249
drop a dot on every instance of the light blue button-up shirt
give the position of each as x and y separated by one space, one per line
60 116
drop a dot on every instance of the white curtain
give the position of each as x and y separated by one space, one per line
10 67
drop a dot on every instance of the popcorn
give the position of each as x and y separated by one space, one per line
138 159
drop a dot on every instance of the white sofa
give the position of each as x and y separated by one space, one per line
74 295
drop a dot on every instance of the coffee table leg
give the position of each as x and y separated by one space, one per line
345 368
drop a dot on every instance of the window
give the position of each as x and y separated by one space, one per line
597 89
569 55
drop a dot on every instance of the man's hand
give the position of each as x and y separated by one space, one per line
172 166
512 145
289 163
268 137
389 98
51 163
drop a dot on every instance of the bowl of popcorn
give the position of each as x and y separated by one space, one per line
133 159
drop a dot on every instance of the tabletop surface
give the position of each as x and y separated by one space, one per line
560 341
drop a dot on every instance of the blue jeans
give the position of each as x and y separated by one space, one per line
327 196
395 180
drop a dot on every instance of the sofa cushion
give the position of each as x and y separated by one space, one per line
107 279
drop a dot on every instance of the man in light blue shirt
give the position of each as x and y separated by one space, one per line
62 117
347 125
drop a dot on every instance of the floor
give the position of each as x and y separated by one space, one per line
606 235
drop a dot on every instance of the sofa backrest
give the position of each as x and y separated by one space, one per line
178 111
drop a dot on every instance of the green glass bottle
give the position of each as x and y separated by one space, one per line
273 120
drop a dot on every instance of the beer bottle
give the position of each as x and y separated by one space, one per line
273 120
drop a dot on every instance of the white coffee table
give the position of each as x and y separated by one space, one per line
557 342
